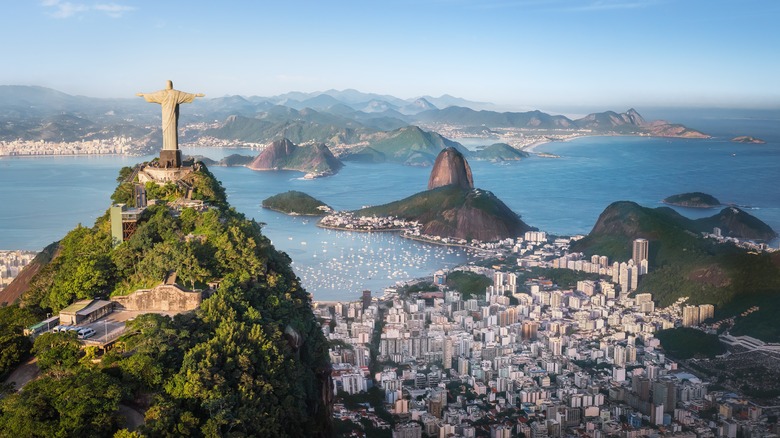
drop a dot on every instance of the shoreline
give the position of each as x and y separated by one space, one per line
68 155
531 148
382 230
291 213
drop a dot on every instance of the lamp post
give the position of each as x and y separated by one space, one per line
48 323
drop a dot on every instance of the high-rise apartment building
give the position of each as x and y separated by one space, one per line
641 248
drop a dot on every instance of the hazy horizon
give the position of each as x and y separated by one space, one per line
515 54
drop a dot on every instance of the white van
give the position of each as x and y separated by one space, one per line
86 332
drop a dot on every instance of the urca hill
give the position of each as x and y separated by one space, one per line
250 360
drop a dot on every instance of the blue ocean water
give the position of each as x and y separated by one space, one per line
43 198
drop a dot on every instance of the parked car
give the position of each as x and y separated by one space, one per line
86 332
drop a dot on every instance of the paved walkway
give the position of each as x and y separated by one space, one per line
24 373
133 418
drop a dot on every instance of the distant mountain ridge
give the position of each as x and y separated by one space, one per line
410 145
346 117
630 122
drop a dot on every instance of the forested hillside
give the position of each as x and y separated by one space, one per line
251 361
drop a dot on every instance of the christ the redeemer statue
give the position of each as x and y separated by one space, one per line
169 99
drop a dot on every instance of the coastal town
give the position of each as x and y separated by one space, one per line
113 145
11 264
530 357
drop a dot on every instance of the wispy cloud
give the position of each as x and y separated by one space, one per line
66 9
112 9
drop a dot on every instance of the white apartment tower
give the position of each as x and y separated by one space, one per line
640 252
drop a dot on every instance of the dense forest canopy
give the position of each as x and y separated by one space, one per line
226 369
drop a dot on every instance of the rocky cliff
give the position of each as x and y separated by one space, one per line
449 168
286 155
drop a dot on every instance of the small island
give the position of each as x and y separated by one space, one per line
296 204
500 152
693 200
233 160
747 139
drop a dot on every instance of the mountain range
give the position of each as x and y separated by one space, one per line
333 117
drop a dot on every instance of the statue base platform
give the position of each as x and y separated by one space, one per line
170 159
162 176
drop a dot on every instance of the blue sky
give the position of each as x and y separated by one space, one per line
520 53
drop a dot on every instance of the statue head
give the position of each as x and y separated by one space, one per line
169 85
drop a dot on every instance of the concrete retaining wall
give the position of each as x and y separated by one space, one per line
161 298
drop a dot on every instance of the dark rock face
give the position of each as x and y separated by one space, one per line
451 168
286 155
482 216
274 156
21 283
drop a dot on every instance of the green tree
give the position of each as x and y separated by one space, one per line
57 351
80 403
190 268
14 346
83 268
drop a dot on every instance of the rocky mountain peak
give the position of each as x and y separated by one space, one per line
451 168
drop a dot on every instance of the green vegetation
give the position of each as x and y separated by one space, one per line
685 343
14 346
451 211
74 402
422 286
235 160
201 185
297 126
224 369
683 264
294 202
693 200
564 278
500 152
469 284
409 145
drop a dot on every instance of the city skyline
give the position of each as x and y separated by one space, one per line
517 54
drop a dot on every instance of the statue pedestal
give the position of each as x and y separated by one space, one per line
170 159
